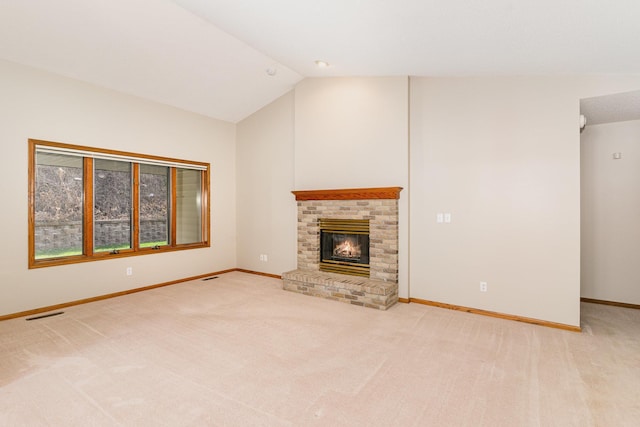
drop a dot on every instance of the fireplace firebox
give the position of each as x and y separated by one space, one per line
344 246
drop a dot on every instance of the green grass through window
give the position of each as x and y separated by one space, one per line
73 252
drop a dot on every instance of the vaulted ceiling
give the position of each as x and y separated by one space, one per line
228 58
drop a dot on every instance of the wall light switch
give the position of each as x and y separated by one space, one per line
440 218
617 156
447 218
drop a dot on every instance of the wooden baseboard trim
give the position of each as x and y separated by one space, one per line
107 296
614 303
242 270
498 315
404 300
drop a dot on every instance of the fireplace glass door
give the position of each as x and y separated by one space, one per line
344 246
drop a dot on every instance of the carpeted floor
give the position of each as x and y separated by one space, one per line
239 351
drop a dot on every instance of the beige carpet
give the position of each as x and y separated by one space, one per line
238 351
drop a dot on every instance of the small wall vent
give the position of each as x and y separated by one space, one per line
57 313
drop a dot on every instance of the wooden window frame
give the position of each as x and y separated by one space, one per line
88 254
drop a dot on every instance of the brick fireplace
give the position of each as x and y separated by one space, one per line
379 207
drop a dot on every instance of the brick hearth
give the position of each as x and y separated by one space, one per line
380 207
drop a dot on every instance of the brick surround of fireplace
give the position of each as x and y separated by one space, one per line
380 207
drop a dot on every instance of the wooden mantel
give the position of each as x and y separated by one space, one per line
349 194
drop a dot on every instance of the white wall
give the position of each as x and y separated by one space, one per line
353 133
267 222
611 212
36 104
501 155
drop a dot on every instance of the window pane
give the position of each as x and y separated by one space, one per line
58 206
112 205
154 206
188 206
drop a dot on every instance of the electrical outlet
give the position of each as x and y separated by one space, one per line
129 271
483 286
266 258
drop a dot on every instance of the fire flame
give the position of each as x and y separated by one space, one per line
347 249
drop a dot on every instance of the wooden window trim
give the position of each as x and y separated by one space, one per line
135 193
174 200
87 218
89 255
206 208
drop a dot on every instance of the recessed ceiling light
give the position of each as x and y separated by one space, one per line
272 71
322 64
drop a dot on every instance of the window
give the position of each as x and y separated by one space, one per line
188 201
154 206
58 206
89 204
112 202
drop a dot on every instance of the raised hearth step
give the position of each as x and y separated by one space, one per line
339 287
